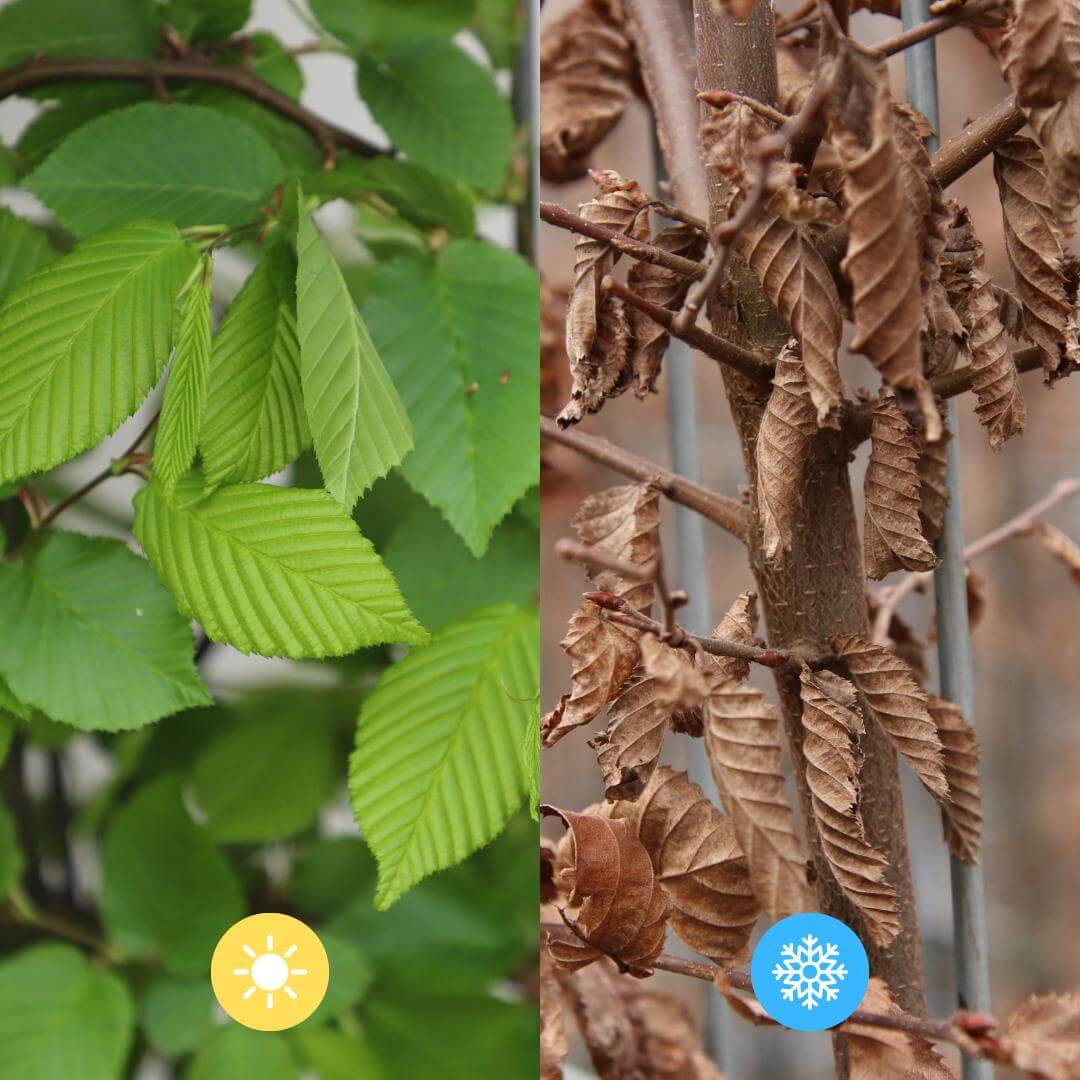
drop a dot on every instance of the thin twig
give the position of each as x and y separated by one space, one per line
636 249
965 13
677 213
1023 523
746 362
48 71
729 514
764 152
719 98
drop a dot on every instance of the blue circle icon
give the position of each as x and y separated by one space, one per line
809 972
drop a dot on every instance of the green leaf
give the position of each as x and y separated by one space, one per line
25 249
177 1015
277 571
9 703
350 977
444 581
530 759
11 859
334 1055
206 20
265 778
236 1052
458 336
93 639
329 874
358 423
83 340
8 171
359 25
185 163
185 392
420 196
255 422
437 767
75 28
8 723
440 109
61 1017
499 24
168 892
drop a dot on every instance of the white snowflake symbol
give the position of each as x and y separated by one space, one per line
809 972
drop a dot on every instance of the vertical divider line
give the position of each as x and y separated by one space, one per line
957 683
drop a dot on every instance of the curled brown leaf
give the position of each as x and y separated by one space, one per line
1042 1037
605 372
962 813
1035 59
933 492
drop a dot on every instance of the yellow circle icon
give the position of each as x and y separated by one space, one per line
269 971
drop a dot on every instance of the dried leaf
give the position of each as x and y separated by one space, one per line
879 1053
742 739
586 73
892 531
1058 132
1060 546
678 685
665 288
553 1043
794 79
1042 1037
1035 59
738 626
783 446
602 656
933 494
1034 245
605 372
621 907
883 258
619 205
832 723
898 705
962 814
1000 408
549 885
701 867
1010 311
624 521
673 1047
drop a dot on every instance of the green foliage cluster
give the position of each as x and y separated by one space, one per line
394 562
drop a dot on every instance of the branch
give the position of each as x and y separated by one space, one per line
729 514
636 249
891 598
744 361
965 13
46 71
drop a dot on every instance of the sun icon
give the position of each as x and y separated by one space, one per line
274 983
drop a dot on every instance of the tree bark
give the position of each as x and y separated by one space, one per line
818 588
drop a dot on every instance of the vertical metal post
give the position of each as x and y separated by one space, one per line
970 938
526 95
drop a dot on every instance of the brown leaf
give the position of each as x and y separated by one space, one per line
678 685
883 258
832 723
602 656
1058 131
783 445
1000 408
892 531
738 626
619 205
933 494
605 372
1035 59
621 907
553 1043
742 740
586 73
879 1053
1060 546
794 79
898 705
673 1046
665 288
1042 1037
549 884
624 521
962 814
1010 311
701 867
1033 242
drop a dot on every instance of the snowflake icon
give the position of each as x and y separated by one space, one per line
809 972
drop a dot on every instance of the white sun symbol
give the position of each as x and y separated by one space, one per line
269 971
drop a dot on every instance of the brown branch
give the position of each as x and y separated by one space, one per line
746 362
965 13
47 71
729 514
636 249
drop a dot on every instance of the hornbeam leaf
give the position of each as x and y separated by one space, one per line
438 767
25 249
458 335
276 571
255 423
193 165
83 340
185 393
358 422
93 640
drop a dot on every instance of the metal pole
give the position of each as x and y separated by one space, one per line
526 95
970 938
